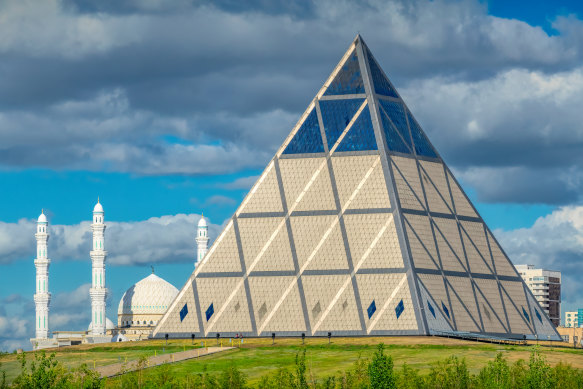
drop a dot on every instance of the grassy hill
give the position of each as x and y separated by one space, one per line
258 357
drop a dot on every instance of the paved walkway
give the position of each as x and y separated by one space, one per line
120 368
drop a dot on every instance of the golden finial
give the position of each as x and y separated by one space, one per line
202 215
97 199
42 211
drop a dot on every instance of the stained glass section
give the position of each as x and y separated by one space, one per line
382 86
348 80
396 113
308 139
394 140
336 114
422 145
360 137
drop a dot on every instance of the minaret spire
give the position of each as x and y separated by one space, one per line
202 239
42 297
98 291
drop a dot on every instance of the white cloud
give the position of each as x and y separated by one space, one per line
44 28
553 242
165 239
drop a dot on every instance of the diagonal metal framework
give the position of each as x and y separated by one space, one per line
356 227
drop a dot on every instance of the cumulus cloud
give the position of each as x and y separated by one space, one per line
515 137
99 86
165 239
553 242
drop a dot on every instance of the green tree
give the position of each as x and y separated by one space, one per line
495 375
43 372
539 372
409 378
86 378
232 378
564 377
281 379
3 384
451 373
357 377
300 377
380 370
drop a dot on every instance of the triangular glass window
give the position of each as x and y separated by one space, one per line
336 114
397 115
422 146
308 139
361 135
348 80
394 140
382 86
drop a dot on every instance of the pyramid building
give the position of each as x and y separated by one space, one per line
356 227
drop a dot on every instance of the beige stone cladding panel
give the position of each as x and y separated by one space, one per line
503 265
408 183
318 239
373 193
462 205
490 306
436 189
515 290
344 314
476 247
421 242
373 241
217 291
385 291
268 233
350 172
330 299
452 252
435 287
464 304
172 323
296 174
264 196
225 256
267 294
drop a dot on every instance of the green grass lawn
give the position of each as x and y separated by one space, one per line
257 357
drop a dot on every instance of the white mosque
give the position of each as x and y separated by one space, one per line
139 310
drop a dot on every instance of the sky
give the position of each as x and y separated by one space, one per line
168 109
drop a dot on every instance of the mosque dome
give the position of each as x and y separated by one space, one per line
98 207
150 296
202 222
108 325
42 218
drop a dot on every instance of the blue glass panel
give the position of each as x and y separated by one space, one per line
445 309
361 134
336 114
538 316
400 308
348 80
382 86
431 308
308 139
396 113
371 309
209 312
525 315
183 312
394 140
422 146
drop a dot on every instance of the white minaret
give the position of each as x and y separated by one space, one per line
42 297
202 240
98 291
